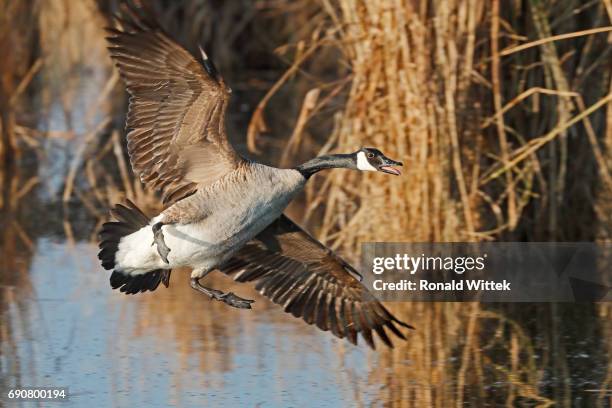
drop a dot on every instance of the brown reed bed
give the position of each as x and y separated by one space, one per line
499 110
484 104
493 111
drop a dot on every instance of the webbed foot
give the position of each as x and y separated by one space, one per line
227 298
236 301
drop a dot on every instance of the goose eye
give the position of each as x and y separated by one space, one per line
370 155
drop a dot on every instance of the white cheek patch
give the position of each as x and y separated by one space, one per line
363 164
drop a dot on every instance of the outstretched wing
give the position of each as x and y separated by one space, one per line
299 273
176 132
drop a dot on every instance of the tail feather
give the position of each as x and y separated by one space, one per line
130 284
129 220
130 215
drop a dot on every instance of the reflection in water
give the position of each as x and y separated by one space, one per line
62 325
171 347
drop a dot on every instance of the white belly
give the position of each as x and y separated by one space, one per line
235 219
205 245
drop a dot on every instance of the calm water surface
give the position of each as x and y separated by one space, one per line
169 347
62 325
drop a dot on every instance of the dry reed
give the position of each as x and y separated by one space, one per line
499 110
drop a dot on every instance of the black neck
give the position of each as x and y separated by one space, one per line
333 161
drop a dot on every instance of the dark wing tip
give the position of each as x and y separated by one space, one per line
210 68
367 335
406 325
380 330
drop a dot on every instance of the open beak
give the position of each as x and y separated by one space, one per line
387 166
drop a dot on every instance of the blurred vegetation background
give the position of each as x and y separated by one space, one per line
500 111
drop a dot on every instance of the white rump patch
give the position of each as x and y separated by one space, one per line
363 164
136 255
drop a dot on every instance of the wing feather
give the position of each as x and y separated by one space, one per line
175 123
297 272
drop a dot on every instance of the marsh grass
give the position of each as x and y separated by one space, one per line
501 124
499 110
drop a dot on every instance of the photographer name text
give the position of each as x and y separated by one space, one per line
434 266
425 285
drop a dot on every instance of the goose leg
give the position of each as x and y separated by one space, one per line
228 298
158 239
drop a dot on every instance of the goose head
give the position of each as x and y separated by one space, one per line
364 159
372 159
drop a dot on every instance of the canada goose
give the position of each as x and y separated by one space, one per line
222 212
